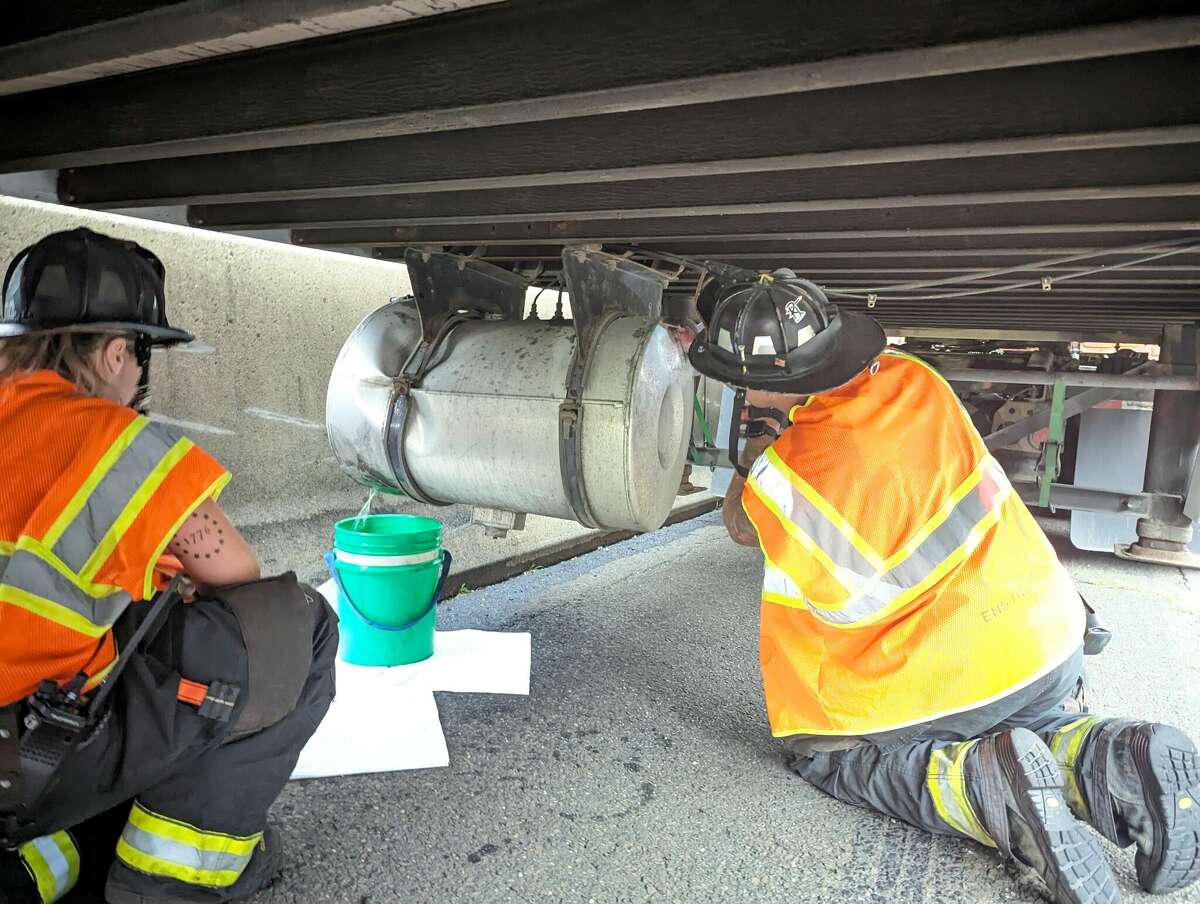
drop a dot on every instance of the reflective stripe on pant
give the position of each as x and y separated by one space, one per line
53 863
159 846
946 783
924 783
202 794
1066 743
925 775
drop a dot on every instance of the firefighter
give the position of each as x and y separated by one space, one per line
159 732
920 643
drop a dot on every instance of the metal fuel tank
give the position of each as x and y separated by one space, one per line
586 420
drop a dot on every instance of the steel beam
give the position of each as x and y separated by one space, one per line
358 169
698 230
192 30
1038 333
398 81
967 258
1189 383
983 253
1073 498
406 210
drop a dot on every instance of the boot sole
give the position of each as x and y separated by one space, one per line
1169 769
1076 871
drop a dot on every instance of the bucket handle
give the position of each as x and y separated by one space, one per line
331 561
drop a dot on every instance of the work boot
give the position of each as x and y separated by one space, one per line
127 886
1138 782
1022 807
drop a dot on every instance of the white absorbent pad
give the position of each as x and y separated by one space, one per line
386 719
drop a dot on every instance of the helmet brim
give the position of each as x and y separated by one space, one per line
859 341
158 335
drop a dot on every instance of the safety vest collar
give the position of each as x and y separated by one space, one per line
874 586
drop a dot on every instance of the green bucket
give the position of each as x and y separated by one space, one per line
389 571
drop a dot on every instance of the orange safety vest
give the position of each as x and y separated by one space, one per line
904 578
92 493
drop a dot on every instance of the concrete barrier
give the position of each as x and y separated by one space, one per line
269 321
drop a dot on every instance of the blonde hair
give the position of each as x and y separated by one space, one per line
70 355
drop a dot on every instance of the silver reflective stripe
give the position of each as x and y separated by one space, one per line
776 582
956 530
60 867
25 571
1065 744
114 491
852 567
182 854
871 590
947 786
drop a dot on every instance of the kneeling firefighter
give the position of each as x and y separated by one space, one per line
159 732
921 644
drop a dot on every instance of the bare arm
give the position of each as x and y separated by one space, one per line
737 522
212 551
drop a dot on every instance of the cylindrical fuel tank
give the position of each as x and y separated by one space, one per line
483 425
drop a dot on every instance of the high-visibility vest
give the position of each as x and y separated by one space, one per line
904 578
91 493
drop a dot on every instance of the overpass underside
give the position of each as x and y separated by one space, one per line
997 169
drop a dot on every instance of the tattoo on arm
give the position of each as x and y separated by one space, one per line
199 538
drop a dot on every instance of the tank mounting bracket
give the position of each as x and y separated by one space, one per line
447 284
601 287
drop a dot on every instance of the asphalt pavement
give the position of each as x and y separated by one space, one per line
641 768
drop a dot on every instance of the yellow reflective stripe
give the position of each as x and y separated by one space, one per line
91 588
959 789
175 830
7 548
212 492
822 505
133 508
938 763
939 517
53 862
51 610
956 558
943 568
161 846
792 411
796 533
873 585
40 871
946 783
156 866
79 500
1065 744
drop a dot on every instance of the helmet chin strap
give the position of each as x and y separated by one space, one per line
142 347
755 428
